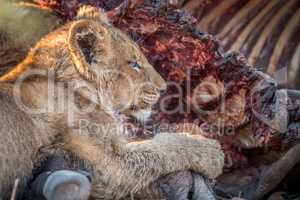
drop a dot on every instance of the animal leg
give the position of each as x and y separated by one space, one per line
174 186
130 167
276 172
182 185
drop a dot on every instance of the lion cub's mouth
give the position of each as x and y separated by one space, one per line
138 113
142 115
142 109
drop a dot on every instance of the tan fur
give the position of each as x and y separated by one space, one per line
87 12
83 51
21 26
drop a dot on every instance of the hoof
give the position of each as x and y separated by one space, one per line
67 185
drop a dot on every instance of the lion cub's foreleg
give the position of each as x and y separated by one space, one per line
60 168
128 167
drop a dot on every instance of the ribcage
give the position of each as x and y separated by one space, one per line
266 32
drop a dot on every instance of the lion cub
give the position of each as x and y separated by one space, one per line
88 72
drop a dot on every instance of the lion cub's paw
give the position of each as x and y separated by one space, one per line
211 156
203 155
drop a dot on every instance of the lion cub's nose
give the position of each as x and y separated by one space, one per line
161 85
157 80
163 88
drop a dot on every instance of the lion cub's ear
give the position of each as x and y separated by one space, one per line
92 13
89 44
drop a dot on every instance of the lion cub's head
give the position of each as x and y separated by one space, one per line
90 50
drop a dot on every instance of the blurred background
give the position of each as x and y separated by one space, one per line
267 32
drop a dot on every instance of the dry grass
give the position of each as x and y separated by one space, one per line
15 189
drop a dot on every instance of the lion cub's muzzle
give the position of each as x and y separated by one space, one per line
148 97
145 98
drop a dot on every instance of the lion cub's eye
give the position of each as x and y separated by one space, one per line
135 65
